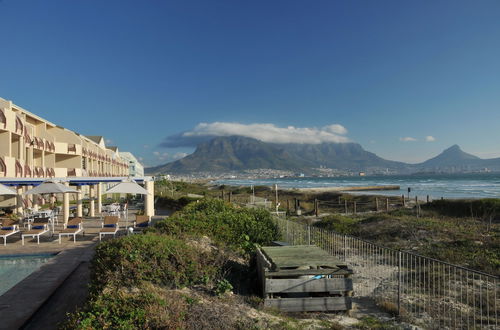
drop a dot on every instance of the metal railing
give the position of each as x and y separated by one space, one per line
421 290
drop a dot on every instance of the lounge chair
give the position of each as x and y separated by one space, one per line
109 226
142 221
9 227
35 230
73 228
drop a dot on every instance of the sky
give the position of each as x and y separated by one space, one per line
405 79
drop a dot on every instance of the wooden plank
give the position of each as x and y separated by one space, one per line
323 304
300 256
302 272
329 285
313 262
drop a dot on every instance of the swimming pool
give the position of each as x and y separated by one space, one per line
15 268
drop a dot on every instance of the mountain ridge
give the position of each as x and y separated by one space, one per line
238 153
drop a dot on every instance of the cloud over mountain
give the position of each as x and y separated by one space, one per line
261 131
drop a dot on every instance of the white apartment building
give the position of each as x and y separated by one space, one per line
134 166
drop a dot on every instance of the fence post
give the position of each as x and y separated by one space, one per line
355 210
308 234
399 283
403 200
345 247
287 240
230 196
222 194
316 207
345 206
387 204
376 204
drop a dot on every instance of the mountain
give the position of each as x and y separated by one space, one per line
452 156
237 153
455 159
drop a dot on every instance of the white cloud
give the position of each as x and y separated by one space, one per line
430 138
407 139
260 131
161 155
180 155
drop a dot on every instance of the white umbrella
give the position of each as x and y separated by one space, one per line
50 187
127 187
4 190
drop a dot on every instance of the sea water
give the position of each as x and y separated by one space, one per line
480 185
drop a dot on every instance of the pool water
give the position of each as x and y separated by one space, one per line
15 268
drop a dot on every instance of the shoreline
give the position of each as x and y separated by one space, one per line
343 189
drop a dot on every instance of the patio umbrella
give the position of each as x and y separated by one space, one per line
127 187
4 190
50 187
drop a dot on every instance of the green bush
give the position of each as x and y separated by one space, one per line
479 208
146 308
338 224
241 228
159 259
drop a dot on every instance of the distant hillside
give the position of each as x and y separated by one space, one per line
236 153
456 159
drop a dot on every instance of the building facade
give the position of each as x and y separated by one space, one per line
135 168
32 147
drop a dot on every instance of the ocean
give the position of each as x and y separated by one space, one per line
477 185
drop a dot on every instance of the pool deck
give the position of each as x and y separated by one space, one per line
20 306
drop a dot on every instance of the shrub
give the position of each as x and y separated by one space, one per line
160 259
241 228
145 308
338 224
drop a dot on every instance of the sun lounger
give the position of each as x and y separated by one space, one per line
35 230
73 228
109 226
141 221
9 227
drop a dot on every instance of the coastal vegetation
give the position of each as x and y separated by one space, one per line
191 271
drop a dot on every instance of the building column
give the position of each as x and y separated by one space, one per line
66 205
92 203
79 205
19 200
99 198
150 198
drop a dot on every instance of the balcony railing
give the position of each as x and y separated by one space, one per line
19 169
3 167
72 148
3 119
27 170
19 126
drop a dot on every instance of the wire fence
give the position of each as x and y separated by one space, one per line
424 291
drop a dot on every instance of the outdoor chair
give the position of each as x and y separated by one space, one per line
109 226
35 230
9 227
142 221
73 228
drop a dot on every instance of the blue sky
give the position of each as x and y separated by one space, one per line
144 71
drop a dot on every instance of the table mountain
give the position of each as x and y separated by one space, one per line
237 153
